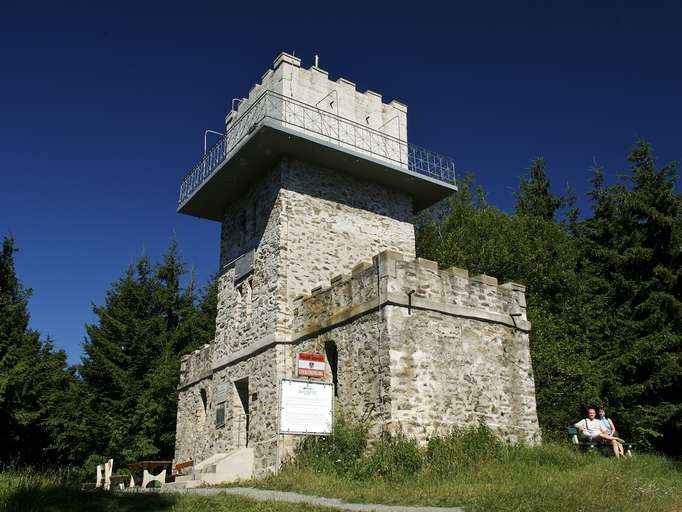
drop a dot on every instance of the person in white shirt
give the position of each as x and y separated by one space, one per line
608 426
593 429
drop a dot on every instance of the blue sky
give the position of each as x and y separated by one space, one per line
103 107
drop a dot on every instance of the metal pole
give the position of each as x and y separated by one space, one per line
206 132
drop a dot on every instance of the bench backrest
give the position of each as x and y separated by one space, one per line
571 431
183 465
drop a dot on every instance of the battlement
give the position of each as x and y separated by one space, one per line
340 97
196 365
412 283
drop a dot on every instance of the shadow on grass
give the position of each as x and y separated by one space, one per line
57 499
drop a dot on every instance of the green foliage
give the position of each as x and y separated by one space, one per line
131 368
338 452
534 199
394 457
122 401
604 293
472 468
632 258
33 376
462 449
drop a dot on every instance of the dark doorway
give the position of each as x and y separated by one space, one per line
242 412
333 359
204 401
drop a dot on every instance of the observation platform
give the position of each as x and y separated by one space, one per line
275 126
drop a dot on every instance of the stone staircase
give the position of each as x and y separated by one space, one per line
219 468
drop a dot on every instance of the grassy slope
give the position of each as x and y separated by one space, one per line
33 492
551 477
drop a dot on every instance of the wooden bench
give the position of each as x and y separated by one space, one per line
119 480
584 443
183 468
146 467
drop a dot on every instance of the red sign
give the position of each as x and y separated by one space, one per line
310 365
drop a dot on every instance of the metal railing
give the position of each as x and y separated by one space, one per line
327 126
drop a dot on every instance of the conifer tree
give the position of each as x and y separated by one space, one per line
632 255
132 355
534 197
33 376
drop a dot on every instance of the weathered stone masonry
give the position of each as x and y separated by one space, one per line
419 349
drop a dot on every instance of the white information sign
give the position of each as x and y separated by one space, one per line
306 407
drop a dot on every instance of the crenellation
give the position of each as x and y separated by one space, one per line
482 278
285 57
319 70
374 94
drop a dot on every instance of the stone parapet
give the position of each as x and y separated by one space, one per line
411 283
340 96
196 365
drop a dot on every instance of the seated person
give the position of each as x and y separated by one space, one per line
591 428
607 425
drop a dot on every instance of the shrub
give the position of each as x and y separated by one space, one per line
338 452
394 457
461 449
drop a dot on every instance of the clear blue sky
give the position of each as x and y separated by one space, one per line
103 107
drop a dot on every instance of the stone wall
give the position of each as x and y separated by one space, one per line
198 437
449 353
333 220
250 309
305 224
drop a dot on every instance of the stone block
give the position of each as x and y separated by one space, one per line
458 272
427 264
482 278
399 106
286 58
360 268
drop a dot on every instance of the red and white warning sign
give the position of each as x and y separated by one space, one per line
310 365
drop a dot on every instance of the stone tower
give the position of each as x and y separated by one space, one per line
315 185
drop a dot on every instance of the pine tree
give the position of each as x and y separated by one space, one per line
534 197
632 260
131 367
33 376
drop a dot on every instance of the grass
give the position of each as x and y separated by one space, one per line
468 468
471 468
30 491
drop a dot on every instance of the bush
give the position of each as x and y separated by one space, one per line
394 457
337 453
461 449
